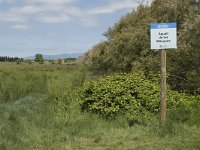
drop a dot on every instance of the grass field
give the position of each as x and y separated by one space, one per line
39 110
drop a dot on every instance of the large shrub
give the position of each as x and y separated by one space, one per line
128 94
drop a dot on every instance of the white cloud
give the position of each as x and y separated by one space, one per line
61 11
50 2
25 10
43 13
21 27
10 17
113 7
54 19
8 1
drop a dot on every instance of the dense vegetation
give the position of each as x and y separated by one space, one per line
10 59
57 105
127 47
70 59
130 95
39 58
53 119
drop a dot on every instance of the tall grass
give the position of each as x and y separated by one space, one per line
15 85
52 119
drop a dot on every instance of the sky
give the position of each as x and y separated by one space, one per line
50 27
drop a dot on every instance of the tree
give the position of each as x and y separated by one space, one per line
127 47
39 58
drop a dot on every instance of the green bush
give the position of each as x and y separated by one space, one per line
128 94
195 115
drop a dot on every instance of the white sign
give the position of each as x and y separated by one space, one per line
163 36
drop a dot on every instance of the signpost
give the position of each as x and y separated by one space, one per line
163 36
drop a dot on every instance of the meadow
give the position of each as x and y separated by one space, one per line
40 110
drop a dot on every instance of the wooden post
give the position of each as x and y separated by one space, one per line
163 88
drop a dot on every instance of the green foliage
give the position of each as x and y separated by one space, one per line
54 121
129 94
70 60
39 58
184 63
195 115
127 47
16 84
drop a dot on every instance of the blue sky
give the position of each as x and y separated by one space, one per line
51 27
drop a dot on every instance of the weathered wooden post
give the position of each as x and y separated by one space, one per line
163 88
163 36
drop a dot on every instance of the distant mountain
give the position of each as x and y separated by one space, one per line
58 56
